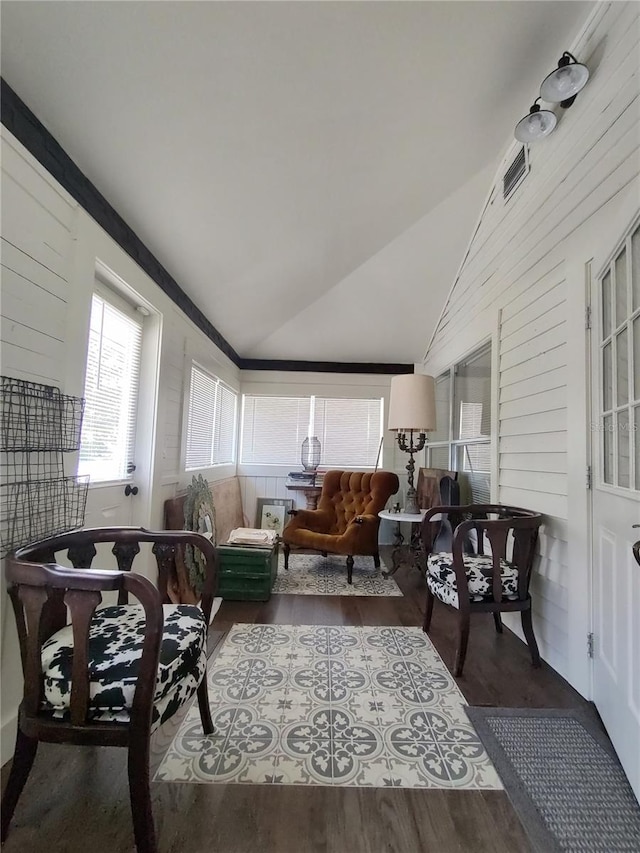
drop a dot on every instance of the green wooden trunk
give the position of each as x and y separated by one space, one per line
246 574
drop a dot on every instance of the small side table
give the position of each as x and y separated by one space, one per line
415 542
311 494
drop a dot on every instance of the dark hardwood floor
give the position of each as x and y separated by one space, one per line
77 798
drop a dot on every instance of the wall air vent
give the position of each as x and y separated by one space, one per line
515 173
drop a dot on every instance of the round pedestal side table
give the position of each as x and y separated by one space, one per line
414 549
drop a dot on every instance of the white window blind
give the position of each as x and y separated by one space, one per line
443 410
273 429
472 397
211 421
107 443
349 432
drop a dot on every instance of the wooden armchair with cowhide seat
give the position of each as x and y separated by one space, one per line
486 569
105 675
346 521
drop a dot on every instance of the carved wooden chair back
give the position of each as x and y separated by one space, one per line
60 630
474 581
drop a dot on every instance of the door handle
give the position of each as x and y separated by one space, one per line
130 490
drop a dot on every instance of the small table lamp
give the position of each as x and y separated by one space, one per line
412 408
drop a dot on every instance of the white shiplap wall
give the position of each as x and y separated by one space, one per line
514 283
49 251
36 256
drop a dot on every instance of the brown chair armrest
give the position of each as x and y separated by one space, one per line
317 520
366 518
360 529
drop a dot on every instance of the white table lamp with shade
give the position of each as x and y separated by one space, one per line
412 413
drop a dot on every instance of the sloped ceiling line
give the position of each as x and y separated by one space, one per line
19 120
26 127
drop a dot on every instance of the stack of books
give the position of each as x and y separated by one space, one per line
252 536
301 478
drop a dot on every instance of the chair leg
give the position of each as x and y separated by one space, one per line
349 568
287 549
23 757
463 638
205 709
376 560
428 611
498 620
527 628
140 797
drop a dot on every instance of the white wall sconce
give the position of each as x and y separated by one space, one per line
563 84
537 124
559 87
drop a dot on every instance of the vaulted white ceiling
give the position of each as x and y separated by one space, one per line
309 172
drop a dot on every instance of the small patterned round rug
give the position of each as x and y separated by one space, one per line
313 574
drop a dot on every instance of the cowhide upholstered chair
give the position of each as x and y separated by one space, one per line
346 521
487 569
105 675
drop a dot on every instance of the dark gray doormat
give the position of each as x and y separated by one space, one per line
563 778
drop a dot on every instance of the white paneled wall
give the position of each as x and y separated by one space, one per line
36 255
49 251
37 244
514 283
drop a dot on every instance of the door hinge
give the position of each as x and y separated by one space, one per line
590 645
587 317
589 477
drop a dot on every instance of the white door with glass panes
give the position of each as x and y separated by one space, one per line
109 436
616 498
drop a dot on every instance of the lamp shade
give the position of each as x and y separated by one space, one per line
536 125
412 404
565 82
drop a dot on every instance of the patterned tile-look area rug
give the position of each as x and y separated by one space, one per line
313 574
316 705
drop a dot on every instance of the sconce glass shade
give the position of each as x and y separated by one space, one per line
310 456
536 125
412 403
563 84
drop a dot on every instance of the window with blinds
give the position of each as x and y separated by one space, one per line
349 432
273 429
107 443
463 437
211 421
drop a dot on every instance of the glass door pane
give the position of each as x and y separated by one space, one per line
620 366
107 443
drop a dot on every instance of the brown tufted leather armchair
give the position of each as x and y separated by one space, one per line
346 521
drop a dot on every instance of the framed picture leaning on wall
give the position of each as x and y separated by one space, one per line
271 513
